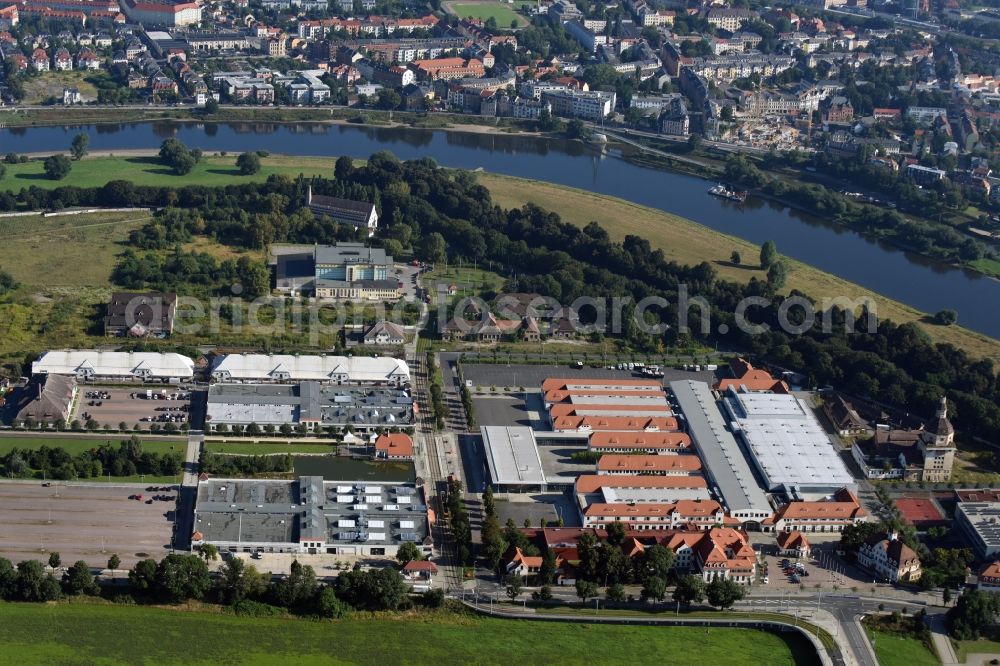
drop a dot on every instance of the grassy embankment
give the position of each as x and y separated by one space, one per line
106 634
688 242
34 245
894 649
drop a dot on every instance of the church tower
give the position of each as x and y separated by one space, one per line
938 446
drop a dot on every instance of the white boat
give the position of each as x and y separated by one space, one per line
724 192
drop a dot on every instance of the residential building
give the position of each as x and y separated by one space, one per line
845 419
988 578
165 13
245 368
140 314
727 18
394 446
90 365
384 333
40 60
889 559
8 17
704 514
588 105
419 571
831 515
923 175
86 59
359 214
793 544
310 515
45 400
650 443
72 96
653 465
62 61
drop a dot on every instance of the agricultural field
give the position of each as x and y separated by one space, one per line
501 12
85 633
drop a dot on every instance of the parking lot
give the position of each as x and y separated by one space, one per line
532 376
88 522
504 411
138 406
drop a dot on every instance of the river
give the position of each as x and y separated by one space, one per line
911 279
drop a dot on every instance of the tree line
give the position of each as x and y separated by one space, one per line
127 459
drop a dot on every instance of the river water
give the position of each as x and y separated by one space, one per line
911 279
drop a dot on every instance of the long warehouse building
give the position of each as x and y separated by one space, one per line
91 365
284 368
720 453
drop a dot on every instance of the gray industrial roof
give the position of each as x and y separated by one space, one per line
718 449
512 455
351 253
265 511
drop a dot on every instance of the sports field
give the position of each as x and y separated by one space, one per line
486 10
106 634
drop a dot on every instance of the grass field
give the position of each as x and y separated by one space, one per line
896 650
75 445
470 281
210 171
486 10
83 247
690 243
50 84
89 634
251 448
983 647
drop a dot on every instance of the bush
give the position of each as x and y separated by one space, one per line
248 608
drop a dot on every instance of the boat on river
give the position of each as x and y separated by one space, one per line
724 192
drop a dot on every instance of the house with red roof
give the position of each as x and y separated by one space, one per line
394 446
748 378
889 558
40 60
419 570
793 544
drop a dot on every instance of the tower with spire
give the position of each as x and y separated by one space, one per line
938 446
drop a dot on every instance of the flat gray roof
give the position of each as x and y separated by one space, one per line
984 517
265 511
718 449
512 455
351 253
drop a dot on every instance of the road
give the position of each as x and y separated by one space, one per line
188 494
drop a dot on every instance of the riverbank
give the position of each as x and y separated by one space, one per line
688 242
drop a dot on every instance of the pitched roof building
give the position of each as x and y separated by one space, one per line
46 399
889 558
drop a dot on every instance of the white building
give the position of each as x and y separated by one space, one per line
132 366
236 368
162 13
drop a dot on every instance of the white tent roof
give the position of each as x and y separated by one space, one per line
263 367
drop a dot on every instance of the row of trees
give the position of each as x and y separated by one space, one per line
245 466
126 459
30 581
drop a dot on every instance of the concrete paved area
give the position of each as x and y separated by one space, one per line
86 522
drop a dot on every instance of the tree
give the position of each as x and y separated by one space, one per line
238 581
408 552
654 588
343 168
974 611
78 148
208 551
114 562
657 561
78 580
575 129
432 248
33 583
768 254
946 595
777 274
735 258
615 533
57 167
180 577
547 572
248 163
616 593
586 589
513 584
178 157
615 565
489 504
142 577
211 106
329 606
433 598
723 592
689 590
54 560
3 171
8 579
945 317
7 282
297 589
586 549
